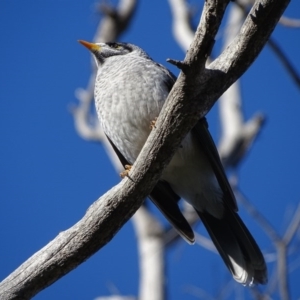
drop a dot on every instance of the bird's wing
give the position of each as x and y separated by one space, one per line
200 131
122 159
166 200
168 77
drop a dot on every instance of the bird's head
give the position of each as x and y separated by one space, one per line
103 51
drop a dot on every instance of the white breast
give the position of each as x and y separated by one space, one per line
127 101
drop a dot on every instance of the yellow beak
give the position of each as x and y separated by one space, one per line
90 46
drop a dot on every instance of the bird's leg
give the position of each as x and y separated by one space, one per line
126 171
152 123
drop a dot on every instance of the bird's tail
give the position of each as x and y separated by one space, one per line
237 247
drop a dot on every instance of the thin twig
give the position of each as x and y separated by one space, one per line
289 22
287 64
293 227
258 217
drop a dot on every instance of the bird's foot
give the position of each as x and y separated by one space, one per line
126 171
152 123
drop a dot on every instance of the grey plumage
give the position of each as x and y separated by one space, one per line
130 90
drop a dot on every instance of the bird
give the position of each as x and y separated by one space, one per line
130 90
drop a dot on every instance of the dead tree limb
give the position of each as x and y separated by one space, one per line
196 90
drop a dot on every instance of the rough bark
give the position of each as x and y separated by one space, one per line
194 93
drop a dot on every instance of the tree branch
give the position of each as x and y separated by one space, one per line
181 23
258 217
115 20
293 227
280 277
287 64
237 135
151 252
192 96
288 22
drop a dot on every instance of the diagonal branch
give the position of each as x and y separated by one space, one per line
288 22
279 278
244 49
181 23
258 217
115 20
287 64
181 112
238 135
293 227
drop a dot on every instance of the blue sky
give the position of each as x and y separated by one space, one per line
49 176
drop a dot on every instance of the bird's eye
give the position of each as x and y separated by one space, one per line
114 45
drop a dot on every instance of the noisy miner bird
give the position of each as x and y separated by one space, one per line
130 90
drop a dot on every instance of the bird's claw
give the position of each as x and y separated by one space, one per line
152 123
126 171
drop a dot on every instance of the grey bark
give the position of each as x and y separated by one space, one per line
195 92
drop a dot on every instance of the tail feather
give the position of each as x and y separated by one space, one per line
236 246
